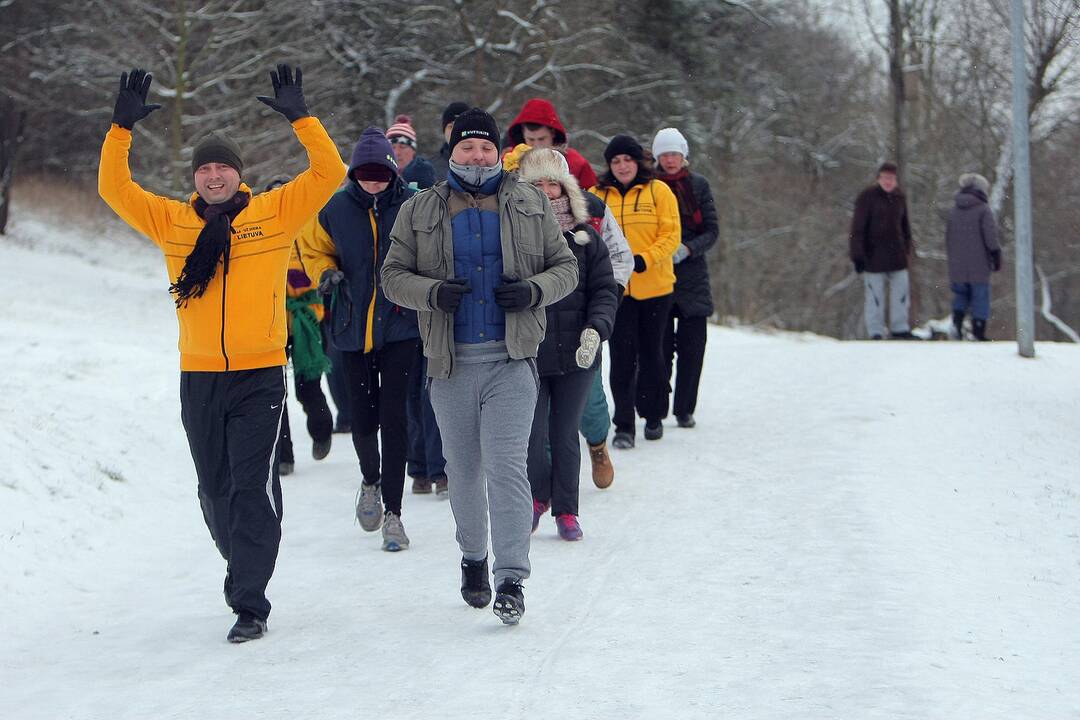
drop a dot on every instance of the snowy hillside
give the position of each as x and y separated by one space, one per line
854 530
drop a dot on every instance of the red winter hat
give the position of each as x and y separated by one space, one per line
537 112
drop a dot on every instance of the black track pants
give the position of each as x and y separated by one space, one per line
232 421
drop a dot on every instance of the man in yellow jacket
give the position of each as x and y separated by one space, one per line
227 253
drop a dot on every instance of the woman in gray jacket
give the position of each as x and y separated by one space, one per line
480 256
972 246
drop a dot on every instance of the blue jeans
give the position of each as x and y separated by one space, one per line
596 420
975 296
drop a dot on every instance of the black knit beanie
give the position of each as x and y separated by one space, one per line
624 145
450 114
475 124
216 147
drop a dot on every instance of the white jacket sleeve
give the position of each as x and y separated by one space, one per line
622 260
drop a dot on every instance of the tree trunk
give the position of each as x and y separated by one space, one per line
12 122
896 73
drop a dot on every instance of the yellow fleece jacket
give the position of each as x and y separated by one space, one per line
239 322
649 217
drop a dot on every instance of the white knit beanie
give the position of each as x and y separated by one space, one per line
670 140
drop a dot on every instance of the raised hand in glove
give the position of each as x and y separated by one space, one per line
449 294
639 264
329 280
288 93
131 104
515 295
681 253
586 352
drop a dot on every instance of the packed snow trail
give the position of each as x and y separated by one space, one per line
854 530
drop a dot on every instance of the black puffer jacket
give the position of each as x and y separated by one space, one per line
880 232
693 291
593 302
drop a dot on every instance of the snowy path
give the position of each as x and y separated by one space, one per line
854 530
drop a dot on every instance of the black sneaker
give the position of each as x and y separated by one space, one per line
284 468
320 449
510 602
247 627
475 587
341 427
654 430
623 440
685 421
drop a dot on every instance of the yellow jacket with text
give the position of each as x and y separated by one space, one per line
239 322
649 217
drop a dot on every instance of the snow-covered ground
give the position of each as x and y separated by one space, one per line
854 530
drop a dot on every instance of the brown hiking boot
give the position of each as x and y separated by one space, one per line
421 485
603 472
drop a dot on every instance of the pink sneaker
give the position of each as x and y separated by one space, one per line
539 509
568 527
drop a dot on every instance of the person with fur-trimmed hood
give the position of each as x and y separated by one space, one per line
568 356
972 246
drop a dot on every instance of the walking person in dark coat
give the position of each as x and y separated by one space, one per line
345 247
440 161
881 247
569 355
686 330
972 246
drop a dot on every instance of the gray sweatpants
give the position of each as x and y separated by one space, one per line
485 413
899 302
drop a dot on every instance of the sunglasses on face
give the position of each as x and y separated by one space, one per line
402 140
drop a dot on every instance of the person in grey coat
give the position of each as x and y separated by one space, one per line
972 246
481 256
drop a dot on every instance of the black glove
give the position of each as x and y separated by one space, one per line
859 266
995 260
288 94
515 295
639 264
448 296
131 104
329 280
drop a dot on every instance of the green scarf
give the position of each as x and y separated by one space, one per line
309 360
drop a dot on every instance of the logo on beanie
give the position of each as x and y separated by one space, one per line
392 160
484 133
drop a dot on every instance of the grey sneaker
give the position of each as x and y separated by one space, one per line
369 510
393 533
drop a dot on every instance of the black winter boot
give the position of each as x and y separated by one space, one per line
247 627
978 329
958 323
475 586
510 602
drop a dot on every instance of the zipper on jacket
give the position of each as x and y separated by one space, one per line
369 330
224 288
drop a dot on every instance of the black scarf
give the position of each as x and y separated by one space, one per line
689 210
211 245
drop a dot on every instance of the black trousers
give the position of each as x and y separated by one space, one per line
559 406
378 383
232 421
685 337
637 373
336 377
320 423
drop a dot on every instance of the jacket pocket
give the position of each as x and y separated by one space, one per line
526 226
429 256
